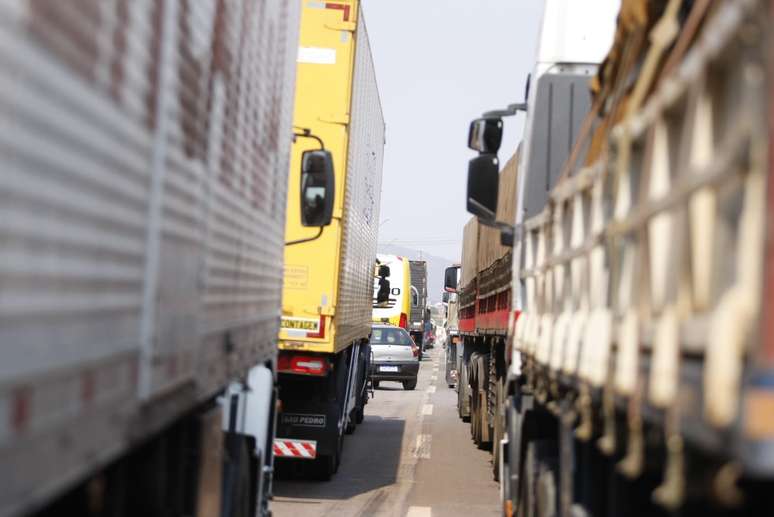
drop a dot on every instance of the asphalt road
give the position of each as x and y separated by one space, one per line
412 456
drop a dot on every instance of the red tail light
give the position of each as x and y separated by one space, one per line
415 350
403 320
303 364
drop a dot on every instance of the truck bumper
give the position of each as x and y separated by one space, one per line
405 371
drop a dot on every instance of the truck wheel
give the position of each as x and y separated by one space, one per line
324 467
409 385
239 483
499 425
485 432
359 415
472 397
339 451
483 442
462 387
479 389
538 486
350 427
547 500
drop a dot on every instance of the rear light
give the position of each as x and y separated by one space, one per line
415 350
303 364
403 320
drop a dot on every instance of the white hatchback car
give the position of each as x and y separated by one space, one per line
395 356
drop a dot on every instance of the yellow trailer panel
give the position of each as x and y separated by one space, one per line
328 282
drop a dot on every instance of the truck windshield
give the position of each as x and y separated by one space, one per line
388 336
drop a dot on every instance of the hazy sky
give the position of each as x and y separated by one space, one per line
439 64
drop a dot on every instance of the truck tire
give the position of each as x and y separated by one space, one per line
547 500
409 385
473 397
538 490
499 428
324 467
359 415
484 432
239 484
463 408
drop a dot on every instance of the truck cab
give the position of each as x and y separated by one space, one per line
396 308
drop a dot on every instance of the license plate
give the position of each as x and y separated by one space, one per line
388 368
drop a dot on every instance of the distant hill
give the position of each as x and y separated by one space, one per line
435 267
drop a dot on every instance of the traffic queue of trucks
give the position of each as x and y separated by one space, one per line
621 364
148 189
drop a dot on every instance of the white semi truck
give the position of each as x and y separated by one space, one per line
637 374
144 149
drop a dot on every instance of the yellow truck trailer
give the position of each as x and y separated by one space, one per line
326 312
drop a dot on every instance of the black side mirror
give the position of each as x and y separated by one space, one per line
450 279
445 297
483 183
485 135
317 188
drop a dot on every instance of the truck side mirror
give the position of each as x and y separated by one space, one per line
486 135
450 279
317 188
483 183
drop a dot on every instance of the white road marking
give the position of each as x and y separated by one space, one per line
419 511
431 389
427 409
422 447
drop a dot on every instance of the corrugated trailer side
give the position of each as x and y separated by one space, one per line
419 282
328 280
362 197
142 222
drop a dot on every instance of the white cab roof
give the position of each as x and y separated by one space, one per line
577 31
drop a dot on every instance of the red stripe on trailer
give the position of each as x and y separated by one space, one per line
277 450
308 447
467 324
321 333
341 7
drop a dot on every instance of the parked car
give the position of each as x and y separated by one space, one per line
395 356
